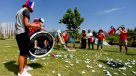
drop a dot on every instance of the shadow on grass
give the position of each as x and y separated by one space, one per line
110 51
119 52
130 54
11 66
35 65
116 64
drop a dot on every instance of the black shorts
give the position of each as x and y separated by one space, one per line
23 42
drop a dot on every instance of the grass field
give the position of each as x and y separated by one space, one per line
79 63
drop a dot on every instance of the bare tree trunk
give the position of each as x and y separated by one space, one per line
7 29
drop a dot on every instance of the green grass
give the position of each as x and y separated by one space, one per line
65 64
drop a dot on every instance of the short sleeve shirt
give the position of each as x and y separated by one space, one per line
101 36
26 13
123 36
19 25
89 35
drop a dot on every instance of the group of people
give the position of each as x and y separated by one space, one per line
91 39
66 38
123 36
24 28
89 36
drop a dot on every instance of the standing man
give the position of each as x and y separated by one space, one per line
83 40
22 24
89 37
123 38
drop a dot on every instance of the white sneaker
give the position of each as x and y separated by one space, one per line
28 68
33 60
24 74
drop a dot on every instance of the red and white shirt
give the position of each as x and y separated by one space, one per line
123 35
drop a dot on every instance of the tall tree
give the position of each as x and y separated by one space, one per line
72 20
135 29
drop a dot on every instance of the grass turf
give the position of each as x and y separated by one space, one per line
78 63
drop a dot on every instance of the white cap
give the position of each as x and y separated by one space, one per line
41 20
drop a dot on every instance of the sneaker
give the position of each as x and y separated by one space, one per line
28 68
24 74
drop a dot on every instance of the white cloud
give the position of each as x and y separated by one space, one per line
109 10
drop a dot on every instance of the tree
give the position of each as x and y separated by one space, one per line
135 29
113 39
72 20
132 37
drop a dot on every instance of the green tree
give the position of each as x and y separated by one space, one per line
2 37
113 39
132 37
135 29
72 20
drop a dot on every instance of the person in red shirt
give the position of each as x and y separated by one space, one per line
65 37
33 30
101 37
123 38
39 21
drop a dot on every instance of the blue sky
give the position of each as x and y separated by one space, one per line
97 13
